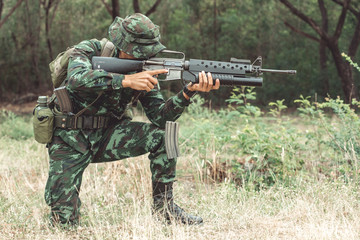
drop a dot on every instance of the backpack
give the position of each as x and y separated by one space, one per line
58 67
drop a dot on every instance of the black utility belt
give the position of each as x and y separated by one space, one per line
82 122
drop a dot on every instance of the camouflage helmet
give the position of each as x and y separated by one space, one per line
136 35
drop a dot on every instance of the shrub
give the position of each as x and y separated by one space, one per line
243 145
237 144
15 127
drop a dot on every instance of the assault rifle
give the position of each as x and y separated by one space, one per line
237 72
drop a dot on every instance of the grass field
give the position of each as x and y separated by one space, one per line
117 199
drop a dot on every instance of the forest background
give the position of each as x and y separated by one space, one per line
308 36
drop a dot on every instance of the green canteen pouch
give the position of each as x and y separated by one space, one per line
43 122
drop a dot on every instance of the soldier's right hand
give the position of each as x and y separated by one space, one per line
142 80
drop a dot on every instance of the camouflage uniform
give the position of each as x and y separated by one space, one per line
71 151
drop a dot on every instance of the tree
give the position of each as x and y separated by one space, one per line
48 5
114 10
136 6
1 7
12 10
331 42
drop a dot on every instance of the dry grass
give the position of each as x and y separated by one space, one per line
117 199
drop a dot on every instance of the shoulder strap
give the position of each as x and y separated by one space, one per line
107 48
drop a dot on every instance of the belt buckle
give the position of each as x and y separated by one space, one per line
71 122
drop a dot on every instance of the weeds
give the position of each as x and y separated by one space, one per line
14 127
320 141
278 107
247 173
241 98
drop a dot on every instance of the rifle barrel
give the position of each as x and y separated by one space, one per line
278 71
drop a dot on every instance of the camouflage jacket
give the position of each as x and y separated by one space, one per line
84 85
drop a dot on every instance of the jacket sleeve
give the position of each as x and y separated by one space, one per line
159 111
81 76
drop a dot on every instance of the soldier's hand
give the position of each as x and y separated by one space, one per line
142 80
206 83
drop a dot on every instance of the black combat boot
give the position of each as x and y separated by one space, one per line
164 205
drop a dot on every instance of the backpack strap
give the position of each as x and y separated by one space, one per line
63 98
107 48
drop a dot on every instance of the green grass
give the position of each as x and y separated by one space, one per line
249 177
14 126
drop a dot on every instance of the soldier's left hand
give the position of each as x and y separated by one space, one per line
206 83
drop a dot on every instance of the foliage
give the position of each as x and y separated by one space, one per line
278 108
241 97
205 29
240 143
254 150
355 65
261 165
15 127
307 108
116 203
344 138
196 107
258 150
237 144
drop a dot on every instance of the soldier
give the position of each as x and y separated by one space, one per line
104 132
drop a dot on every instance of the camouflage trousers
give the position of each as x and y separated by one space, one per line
123 140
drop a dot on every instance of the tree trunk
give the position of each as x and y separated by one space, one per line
12 10
215 30
345 73
1 7
355 42
153 8
136 6
115 8
108 9
137 9
324 76
322 49
34 37
47 29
